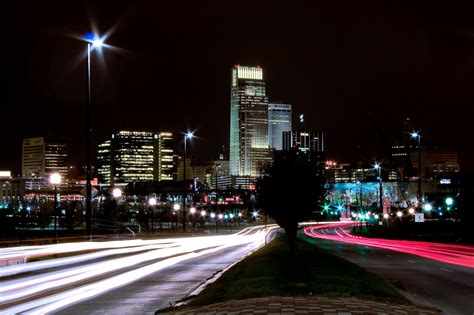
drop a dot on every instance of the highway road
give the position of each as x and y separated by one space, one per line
440 275
128 277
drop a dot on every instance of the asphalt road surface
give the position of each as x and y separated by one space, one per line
126 277
446 286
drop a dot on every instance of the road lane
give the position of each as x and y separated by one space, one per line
446 286
135 271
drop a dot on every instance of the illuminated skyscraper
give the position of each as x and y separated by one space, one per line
279 120
165 156
104 162
249 150
44 156
135 156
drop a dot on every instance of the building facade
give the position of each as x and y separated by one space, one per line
166 169
303 140
279 121
43 156
249 150
135 156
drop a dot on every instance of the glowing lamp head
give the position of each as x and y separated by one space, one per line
189 135
95 40
55 179
97 43
411 210
376 166
152 201
117 192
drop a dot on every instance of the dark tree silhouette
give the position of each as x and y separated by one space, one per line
291 189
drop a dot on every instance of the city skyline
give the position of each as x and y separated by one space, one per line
357 91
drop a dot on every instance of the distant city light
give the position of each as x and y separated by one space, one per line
176 207
411 210
213 215
428 207
192 210
117 193
449 201
399 214
152 201
203 213
385 215
55 179
376 216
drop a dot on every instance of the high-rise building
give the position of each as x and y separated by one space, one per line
249 150
165 156
135 156
43 156
132 157
279 120
104 162
303 140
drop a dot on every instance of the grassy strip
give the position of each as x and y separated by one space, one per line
272 272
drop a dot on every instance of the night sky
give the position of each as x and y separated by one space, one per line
355 70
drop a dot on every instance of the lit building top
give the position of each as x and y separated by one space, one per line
252 73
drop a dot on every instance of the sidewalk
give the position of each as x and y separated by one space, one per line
307 305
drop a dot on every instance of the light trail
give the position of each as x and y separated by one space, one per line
38 294
461 255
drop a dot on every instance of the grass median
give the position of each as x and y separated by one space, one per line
270 271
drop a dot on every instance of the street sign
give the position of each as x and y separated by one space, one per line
419 217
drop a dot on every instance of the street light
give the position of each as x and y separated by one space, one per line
379 168
117 193
55 180
187 135
418 136
93 42
152 203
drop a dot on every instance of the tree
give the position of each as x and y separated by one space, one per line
291 189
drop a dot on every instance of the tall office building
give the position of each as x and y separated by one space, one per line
165 156
127 157
135 156
303 140
249 150
43 156
104 162
279 120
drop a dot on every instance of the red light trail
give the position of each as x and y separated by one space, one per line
461 255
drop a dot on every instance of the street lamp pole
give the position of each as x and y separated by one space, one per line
55 179
88 136
186 136
379 168
93 41
418 194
